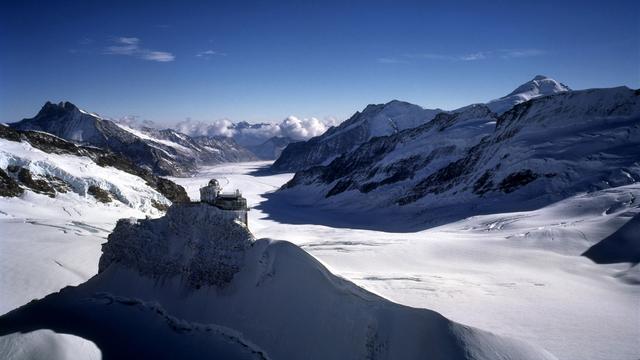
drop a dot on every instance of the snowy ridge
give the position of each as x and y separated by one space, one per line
80 173
278 292
541 151
166 152
539 86
391 118
373 121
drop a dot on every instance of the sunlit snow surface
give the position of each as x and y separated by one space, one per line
512 274
516 274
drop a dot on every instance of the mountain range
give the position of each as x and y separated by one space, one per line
473 160
390 118
165 152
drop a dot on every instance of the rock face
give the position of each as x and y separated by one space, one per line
374 120
54 145
165 152
193 241
192 273
8 186
542 150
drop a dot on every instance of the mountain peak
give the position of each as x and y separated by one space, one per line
540 85
51 108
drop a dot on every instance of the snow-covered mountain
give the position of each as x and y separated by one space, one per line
390 118
539 86
48 165
374 120
272 148
538 152
192 284
165 152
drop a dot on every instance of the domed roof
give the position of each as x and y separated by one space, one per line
214 182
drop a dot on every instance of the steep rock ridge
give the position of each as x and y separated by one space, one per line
540 151
268 297
54 145
373 121
171 153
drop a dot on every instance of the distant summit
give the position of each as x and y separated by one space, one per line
540 85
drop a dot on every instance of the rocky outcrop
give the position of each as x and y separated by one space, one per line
55 145
8 186
192 241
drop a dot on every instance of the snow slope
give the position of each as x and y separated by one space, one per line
79 173
517 274
59 232
200 271
472 162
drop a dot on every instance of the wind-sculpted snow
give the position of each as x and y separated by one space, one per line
541 151
194 272
193 241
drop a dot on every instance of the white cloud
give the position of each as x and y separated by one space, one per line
475 56
130 46
254 134
472 57
134 122
209 54
160 56
520 53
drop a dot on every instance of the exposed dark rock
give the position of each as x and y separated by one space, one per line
484 183
159 206
53 144
516 180
340 186
100 194
58 184
444 178
8 186
37 185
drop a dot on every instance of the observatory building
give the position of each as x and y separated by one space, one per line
233 204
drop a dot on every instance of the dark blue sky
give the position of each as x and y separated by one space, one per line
262 61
